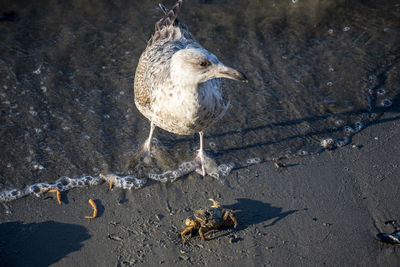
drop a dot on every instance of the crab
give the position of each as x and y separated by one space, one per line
208 219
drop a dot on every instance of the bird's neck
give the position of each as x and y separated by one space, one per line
184 82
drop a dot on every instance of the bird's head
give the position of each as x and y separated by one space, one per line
193 66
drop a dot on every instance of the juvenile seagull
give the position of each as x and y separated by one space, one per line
177 85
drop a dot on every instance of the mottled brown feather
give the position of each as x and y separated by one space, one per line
153 81
168 29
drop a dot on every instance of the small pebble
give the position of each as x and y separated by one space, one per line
269 248
279 165
184 257
114 237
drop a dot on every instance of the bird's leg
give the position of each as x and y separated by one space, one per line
207 164
201 155
147 144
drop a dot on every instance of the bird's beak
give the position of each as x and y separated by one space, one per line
223 71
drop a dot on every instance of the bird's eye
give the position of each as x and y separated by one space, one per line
204 63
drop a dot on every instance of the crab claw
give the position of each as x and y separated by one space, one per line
215 203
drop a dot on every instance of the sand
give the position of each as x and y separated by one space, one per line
319 210
67 107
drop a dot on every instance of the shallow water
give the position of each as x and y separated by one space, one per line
319 72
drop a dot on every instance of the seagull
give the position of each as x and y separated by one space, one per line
178 82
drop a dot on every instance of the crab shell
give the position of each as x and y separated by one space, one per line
205 220
210 217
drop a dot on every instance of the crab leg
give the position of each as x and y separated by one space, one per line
229 223
187 230
215 203
109 178
111 184
202 231
233 219
54 191
91 202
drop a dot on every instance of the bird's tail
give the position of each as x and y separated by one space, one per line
170 17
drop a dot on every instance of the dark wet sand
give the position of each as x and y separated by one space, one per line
319 210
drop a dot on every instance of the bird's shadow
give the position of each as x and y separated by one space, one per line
174 147
39 244
394 108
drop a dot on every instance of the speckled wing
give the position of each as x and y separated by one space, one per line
153 68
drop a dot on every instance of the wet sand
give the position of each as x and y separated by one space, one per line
318 70
67 109
318 210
